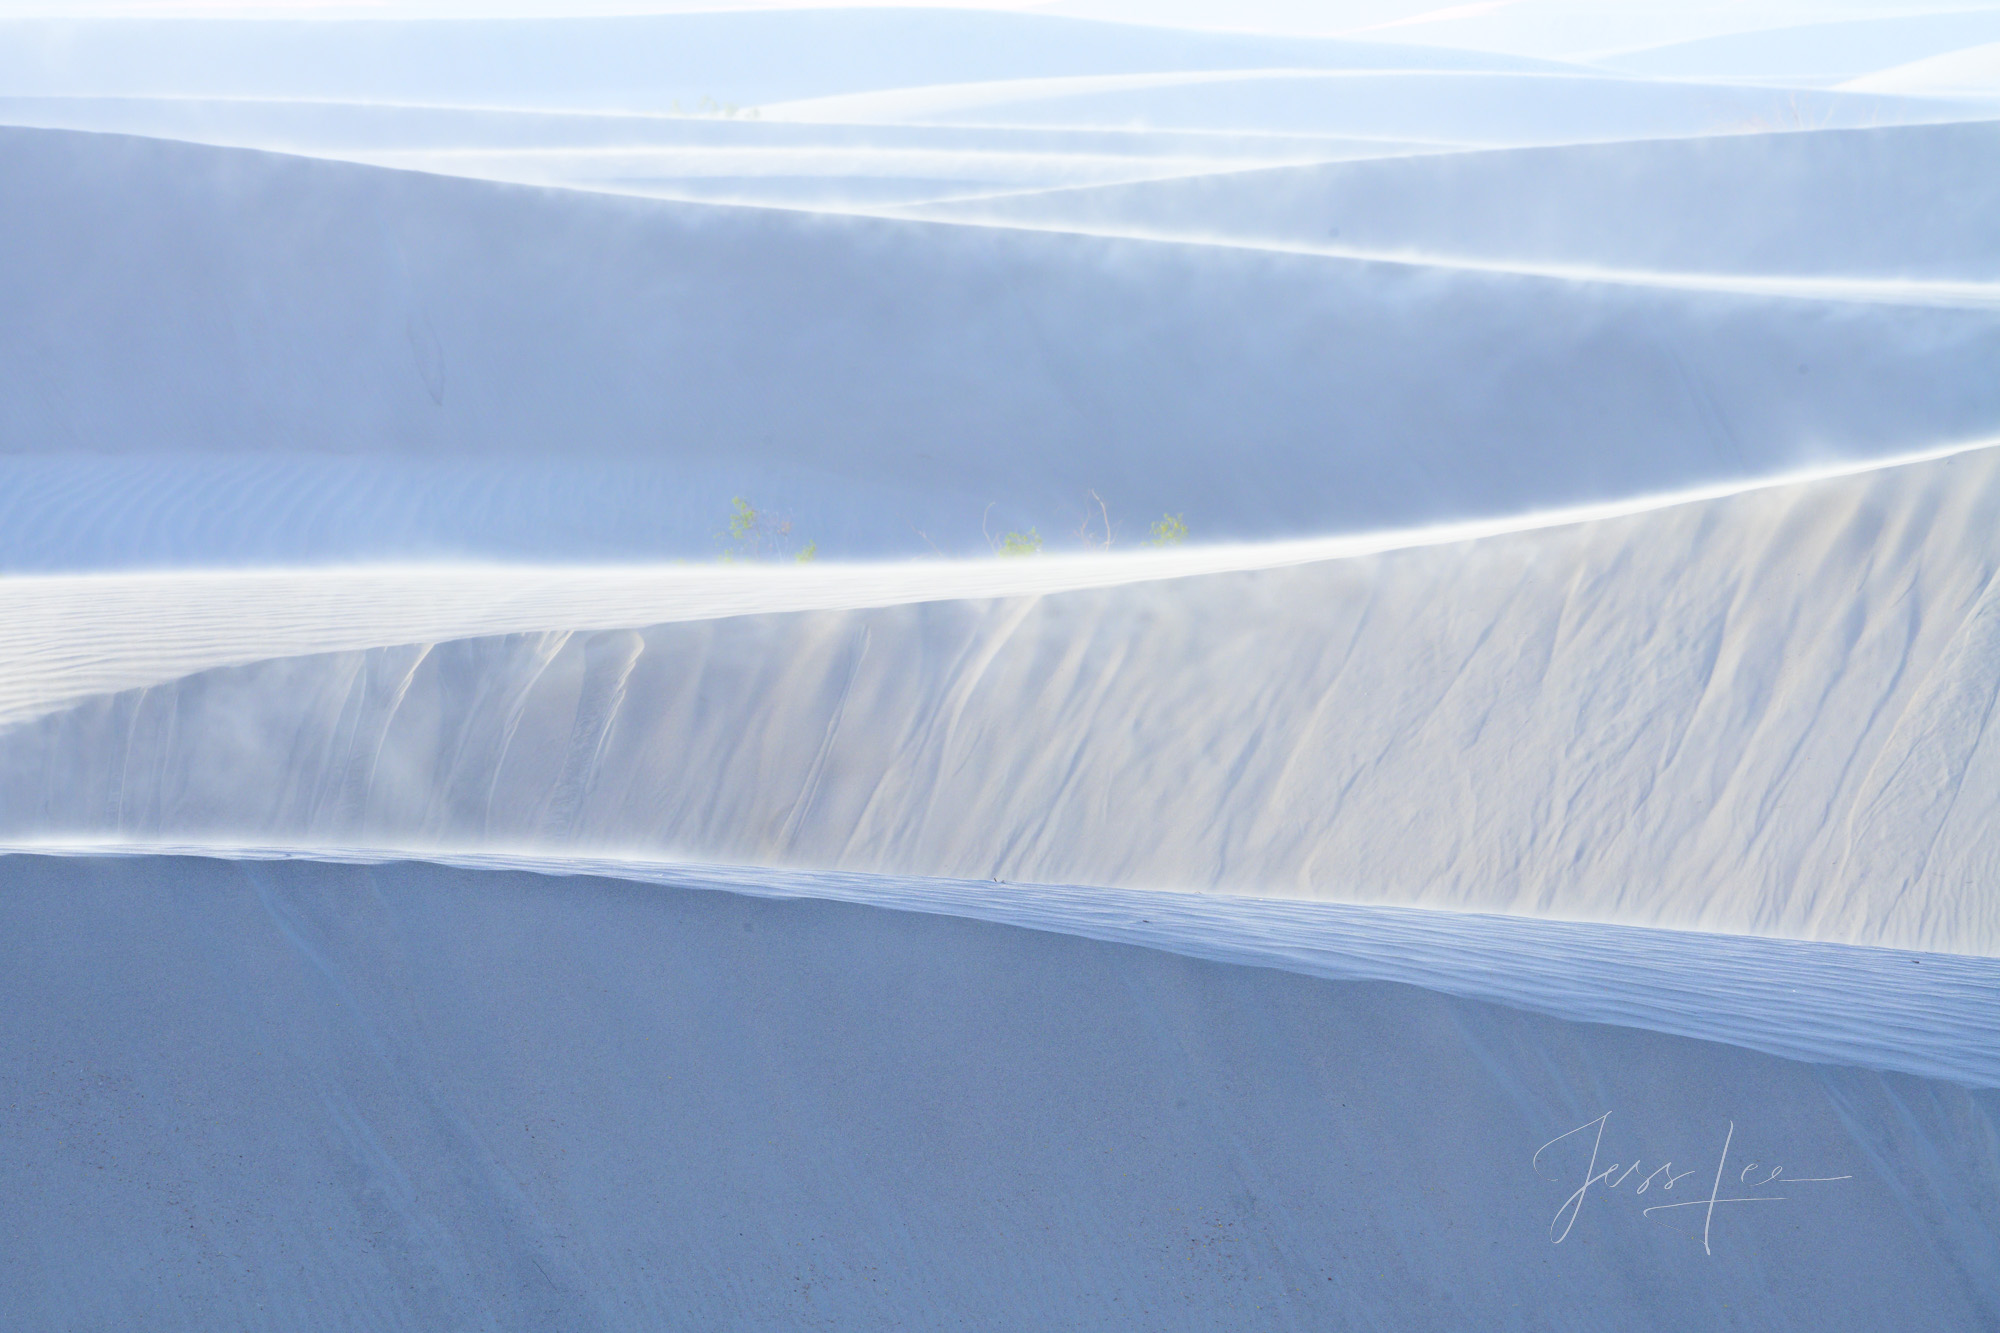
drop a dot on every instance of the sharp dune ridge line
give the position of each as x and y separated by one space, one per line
1799 1000
1889 214
856 108
632 163
75 635
1946 294
931 99
1003 365
1061 172
1761 714
609 169
419 1096
877 111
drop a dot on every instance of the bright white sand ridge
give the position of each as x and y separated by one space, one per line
1470 107
1764 714
75 635
1884 203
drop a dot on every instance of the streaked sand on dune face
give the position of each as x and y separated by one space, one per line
1758 714
75 635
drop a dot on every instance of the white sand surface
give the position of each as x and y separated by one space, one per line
409 1097
641 62
1972 73
1835 49
1761 714
1820 1003
1885 204
740 158
1474 107
318 361
1526 863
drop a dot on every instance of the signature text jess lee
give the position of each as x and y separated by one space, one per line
1755 1176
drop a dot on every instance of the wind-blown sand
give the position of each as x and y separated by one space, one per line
1762 714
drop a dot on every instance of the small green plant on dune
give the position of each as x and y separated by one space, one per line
1012 543
1096 532
757 534
1021 543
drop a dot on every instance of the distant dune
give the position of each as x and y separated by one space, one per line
319 361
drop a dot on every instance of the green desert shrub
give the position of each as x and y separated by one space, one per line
756 534
1021 543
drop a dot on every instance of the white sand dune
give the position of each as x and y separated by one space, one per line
1904 203
434 892
709 156
1970 73
676 106
854 179
1698 39
648 62
1820 1003
1471 107
1816 53
406 1096
75 635
319 361
1763 714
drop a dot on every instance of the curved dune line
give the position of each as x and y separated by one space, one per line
75 635
1927 1014
1963 295
931 99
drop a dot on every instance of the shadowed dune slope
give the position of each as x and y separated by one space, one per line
408 1097
280 359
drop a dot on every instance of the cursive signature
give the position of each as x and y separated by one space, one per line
1615 1175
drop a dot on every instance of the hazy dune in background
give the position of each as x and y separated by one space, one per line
317 361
